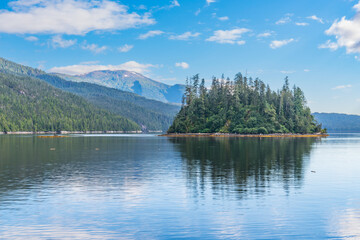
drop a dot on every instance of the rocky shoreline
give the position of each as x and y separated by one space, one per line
275 135
69 132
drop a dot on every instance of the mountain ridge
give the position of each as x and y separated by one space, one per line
339 122
149 114
32 105
131 82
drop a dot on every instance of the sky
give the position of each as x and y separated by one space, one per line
315 43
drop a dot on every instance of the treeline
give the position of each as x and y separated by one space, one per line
148 114
243 106
29 104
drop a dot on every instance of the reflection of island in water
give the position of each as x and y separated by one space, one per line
243 165
28 162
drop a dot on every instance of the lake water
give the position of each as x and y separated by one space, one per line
149 187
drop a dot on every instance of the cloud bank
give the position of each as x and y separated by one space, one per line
346 32
68 17
86 68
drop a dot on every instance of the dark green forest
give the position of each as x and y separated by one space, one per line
243 106
149 114
29 104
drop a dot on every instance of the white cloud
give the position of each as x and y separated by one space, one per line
58 41
306 70
198 12
346 32
208 2
94 48
228 36
32 39
125 48
342 87
175 3
284 20
68 17
182 65
24 3
315 18
264 34
302 24
225 18
86 68
184 36
330 45
287 72
279 43
142 7
150 34
89 63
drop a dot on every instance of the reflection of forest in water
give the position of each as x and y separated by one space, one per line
243 164
27 162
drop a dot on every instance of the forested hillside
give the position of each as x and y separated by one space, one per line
243 106
149 114
29 104
336 122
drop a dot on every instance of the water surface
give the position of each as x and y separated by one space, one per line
149 187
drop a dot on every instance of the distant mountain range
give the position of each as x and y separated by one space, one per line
131 82
337 122
31 99
148 114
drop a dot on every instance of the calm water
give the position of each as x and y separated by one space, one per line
148 187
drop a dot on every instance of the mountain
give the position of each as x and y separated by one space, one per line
132 82
30 104
149 114
337 122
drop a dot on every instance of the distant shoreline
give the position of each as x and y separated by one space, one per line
275 135
69 132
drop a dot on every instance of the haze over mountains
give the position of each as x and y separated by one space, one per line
338 122
148 114
131 82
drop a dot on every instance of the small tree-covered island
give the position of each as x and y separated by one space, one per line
243 106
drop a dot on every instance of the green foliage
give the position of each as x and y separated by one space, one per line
149 114
29 104
243 106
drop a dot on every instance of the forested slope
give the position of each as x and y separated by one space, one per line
149 114
337 122
29 104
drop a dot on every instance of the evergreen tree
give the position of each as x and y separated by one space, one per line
243 106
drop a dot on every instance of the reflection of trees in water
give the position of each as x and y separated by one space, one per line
27 162
243 164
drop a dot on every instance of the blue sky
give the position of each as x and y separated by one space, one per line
315 43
